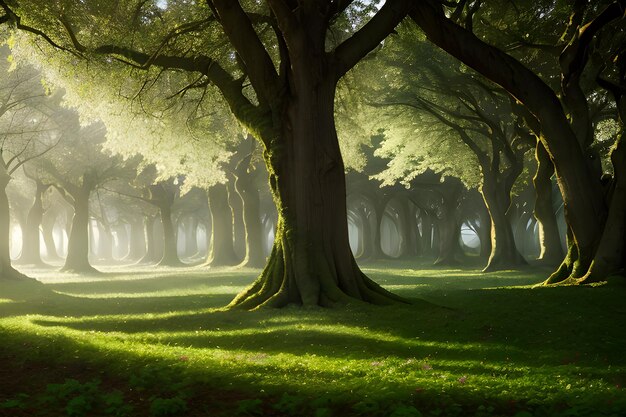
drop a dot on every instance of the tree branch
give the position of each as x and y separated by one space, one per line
11 17
240 31
352 50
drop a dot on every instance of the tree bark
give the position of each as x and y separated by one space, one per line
222 251
551 252
311 262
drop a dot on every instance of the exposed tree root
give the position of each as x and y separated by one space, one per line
282 283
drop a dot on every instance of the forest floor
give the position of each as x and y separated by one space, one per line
158 342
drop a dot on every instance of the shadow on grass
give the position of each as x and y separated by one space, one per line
499 344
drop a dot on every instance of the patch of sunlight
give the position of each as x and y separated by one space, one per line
202 290
285 332
6 301
405 287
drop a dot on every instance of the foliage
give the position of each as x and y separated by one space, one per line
180 135
168 407
84 399
414 141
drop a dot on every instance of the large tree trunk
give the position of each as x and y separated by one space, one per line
77 260
551 252
222 252
610 258
249 194
504 253
31 241
311 262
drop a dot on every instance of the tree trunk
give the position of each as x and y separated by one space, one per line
31 242
150 255
484 231
449 233
410 230
610 258
249 194
551 252
311 262
239 229
367 241
427 234
47 228
448 242
7 272
77 260
170 251
504 253
222 252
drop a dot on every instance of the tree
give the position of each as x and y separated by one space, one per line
25 134
90 168
436 113
564 122
31 240
278 74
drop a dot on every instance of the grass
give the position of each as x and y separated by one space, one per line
157 342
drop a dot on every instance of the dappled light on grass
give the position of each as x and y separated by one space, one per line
486 347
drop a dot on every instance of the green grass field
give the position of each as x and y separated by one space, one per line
158 342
